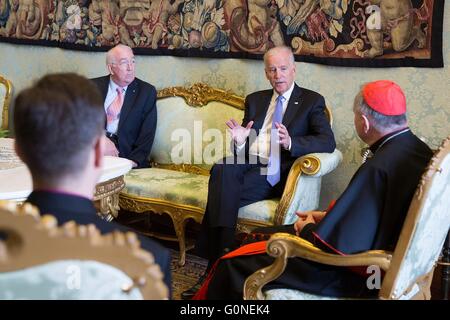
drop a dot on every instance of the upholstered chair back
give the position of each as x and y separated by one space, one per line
424 231
193 131
39 260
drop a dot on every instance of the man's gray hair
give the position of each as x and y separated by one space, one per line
110 53
379 121
281 48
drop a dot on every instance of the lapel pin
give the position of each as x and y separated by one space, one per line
296 102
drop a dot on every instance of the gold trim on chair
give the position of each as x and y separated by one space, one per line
184 167
106 198
5 107
282 246
308 165
200 94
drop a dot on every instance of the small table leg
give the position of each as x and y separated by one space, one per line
446 268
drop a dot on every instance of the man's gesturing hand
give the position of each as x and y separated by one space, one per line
238 132
285 139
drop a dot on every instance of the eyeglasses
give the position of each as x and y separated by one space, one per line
125 63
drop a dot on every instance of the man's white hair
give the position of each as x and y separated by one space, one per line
279 48
111 52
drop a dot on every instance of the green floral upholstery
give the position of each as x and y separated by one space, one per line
67 280
173 186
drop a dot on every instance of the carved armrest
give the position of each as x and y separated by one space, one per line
313 164
282 246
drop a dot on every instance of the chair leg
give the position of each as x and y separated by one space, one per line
179 224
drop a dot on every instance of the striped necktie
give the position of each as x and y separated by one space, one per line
113 111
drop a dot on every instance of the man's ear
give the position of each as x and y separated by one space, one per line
99 148
110 70
366 124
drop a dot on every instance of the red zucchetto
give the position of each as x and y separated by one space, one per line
385 97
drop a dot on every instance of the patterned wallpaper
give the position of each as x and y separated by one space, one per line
426 89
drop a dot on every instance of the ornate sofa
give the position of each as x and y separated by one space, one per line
408 270
193 119
5 98
39 260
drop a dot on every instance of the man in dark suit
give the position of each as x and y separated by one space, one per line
130 107
279 126
59 134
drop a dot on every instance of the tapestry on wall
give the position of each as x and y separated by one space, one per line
368 33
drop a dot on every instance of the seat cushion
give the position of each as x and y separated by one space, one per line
172 186
187 189
262 211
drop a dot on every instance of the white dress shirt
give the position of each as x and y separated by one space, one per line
110 96
261 146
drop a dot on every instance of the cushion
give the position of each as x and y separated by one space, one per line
172 186
290 294
187 189
263 211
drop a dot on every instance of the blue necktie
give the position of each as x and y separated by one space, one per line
273 169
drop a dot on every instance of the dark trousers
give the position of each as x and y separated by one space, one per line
231 186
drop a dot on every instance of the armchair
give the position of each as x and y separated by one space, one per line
196 116
408 270
38 260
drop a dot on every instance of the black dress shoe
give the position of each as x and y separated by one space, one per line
189 293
